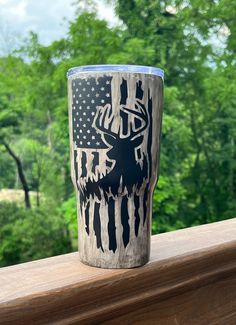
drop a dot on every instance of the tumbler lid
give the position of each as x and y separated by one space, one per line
116 68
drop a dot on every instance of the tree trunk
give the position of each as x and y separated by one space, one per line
21 174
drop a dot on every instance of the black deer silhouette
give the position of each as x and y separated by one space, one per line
125 178
126 172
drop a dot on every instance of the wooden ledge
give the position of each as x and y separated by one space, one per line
191 279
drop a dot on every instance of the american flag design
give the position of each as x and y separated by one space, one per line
111 134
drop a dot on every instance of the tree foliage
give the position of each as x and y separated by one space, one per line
194 42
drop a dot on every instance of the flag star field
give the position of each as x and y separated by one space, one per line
88 94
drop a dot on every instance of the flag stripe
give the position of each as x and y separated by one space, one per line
97 225
95 161
87 217
111 225
125 220
83 164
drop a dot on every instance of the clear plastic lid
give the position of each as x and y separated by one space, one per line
116 68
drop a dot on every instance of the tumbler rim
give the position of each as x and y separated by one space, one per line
116 68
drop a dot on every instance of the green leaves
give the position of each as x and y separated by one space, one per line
134 50
194 43
27 235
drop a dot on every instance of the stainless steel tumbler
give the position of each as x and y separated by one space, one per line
115 114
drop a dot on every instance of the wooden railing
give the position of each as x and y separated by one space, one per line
191 279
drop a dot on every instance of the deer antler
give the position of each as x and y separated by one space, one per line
104 115
141 114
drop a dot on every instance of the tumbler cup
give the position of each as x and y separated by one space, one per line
115 114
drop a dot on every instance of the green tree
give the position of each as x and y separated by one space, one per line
12 75
194 42
197 143
27 235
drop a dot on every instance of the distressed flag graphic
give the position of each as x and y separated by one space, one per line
112 139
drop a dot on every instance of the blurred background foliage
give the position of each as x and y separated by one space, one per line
194 41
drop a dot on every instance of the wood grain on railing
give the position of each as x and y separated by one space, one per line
191 279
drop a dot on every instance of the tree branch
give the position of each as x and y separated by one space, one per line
21 174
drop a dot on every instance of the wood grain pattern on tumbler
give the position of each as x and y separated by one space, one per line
115 123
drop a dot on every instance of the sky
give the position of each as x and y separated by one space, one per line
45 17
